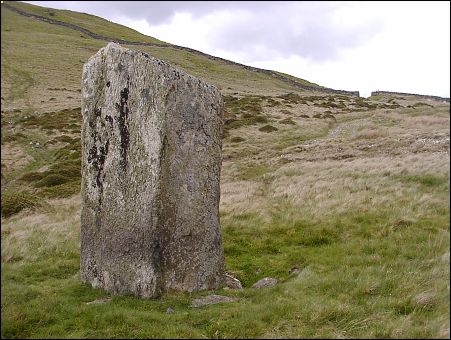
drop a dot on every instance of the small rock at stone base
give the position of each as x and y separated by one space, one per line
266 282
294 271
211 300
170 310
232 283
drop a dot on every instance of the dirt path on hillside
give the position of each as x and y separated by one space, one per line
349 127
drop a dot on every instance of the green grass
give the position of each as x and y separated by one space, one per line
55 170
246 104
18 136
243 111
43 80
358 277
22 82
67 119
26 77
371 271
253 171
427 180
62 179
90 22
228 78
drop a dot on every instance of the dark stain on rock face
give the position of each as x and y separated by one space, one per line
93 268
108 84
97 157
98 112
109 119
103 151
92 154
124 111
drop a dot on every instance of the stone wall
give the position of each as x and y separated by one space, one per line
422 96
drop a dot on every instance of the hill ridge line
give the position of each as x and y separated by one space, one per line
137 43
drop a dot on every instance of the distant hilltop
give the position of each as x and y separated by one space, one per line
388 93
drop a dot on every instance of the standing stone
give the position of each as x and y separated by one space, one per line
151 142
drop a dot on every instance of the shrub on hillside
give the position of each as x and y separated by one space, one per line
268 128
14 202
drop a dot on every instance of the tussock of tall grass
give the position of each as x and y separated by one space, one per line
15 202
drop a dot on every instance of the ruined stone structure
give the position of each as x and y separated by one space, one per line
419 96
151 142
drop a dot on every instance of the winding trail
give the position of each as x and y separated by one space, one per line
340 130
137 43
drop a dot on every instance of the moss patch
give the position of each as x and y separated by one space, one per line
14 202
243 111
268 128
291 98
287 121
237 139
61 120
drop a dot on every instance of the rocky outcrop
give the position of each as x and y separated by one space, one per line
232 282
151 143
267 282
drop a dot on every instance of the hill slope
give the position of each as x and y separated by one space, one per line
24 25
344 200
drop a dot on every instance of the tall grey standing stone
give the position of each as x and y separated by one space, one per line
151 142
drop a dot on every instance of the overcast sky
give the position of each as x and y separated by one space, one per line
364 46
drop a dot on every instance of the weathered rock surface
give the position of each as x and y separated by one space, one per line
294 271
151 142
232 282
211 300
266 282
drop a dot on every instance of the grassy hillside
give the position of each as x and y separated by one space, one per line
90 22
344 200
41 61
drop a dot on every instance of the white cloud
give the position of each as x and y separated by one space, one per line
411 53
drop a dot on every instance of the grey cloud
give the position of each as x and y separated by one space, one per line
270 29
155 12
303 29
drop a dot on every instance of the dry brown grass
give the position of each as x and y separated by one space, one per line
14 157
358 204
357 164
31 234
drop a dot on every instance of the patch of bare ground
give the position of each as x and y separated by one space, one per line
13 157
